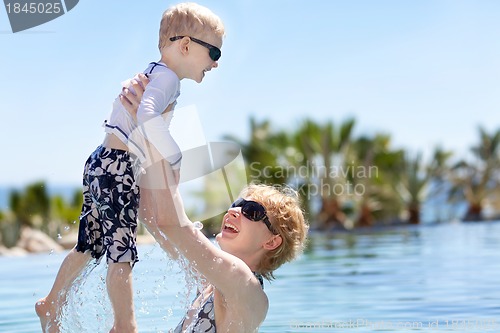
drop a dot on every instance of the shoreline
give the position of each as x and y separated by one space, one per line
34 241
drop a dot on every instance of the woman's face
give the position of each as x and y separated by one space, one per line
241 236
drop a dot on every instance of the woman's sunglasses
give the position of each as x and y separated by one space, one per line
213 51
253 211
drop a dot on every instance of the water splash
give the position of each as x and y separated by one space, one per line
217 260
198 225
160 301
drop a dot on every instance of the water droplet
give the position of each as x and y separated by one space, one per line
74 222
59 236
66 228
219 260
198 225
51 251
48 314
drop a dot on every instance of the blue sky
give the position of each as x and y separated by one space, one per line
427 72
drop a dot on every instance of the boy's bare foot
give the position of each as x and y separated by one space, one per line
46 311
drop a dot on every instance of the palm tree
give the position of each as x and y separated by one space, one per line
414 181
375 171
416 178
478 180
301 155
321 148
262 153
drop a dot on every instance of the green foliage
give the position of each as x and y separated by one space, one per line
262 153
477 178
33 207
66 212
392 184
9 230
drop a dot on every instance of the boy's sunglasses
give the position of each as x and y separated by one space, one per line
253 211
213 51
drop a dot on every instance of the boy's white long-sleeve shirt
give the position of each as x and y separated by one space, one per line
152 124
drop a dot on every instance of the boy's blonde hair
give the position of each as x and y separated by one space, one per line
189 19
287 218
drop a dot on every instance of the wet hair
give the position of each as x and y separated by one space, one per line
189 19
287 218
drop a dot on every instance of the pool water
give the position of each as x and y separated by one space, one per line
424 278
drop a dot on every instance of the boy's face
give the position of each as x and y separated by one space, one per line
201 56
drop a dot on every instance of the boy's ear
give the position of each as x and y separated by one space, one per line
184 45
273 242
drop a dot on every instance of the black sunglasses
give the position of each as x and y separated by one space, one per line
253 211
213 51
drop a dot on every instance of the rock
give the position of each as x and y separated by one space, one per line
68 241
14 251
35 241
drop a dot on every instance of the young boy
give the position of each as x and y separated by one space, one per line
189 43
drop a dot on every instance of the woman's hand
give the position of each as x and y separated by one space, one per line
130 100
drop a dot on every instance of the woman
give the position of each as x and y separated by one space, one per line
262 229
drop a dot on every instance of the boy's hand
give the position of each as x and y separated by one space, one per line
130 100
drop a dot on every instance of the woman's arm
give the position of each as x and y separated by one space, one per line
231 276
161 206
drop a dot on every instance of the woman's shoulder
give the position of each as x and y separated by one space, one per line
250 306
248 291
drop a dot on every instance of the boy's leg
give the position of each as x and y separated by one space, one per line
49 307
119 220
120 291
89 245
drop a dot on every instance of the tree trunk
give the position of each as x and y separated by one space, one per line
365 216
330 215
474 212
414 214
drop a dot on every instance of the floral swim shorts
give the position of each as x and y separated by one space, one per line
108 222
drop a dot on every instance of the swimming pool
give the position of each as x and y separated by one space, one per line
425 278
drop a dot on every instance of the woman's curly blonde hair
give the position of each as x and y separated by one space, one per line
287 218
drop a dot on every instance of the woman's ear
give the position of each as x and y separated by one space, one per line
273 242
